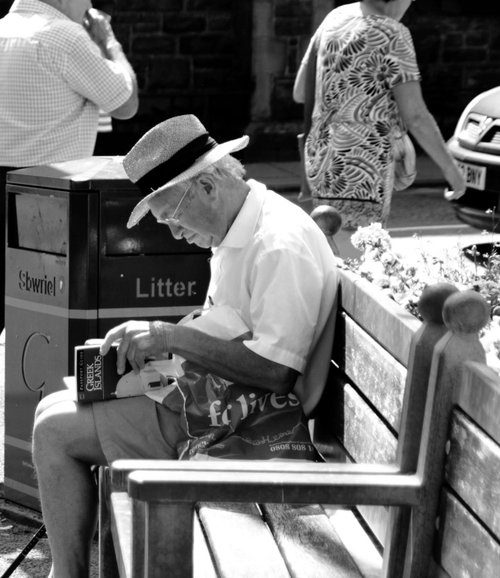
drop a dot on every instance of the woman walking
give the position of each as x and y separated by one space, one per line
360 84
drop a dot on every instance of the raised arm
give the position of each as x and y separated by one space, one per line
99 29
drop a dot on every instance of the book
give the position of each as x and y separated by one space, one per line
97 378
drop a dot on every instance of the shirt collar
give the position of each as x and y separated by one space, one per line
243 227
36 7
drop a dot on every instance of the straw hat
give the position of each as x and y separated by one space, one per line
172 152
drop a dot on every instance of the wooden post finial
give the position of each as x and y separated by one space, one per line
432 299
466 312
329 220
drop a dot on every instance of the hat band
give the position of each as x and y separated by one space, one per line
176 164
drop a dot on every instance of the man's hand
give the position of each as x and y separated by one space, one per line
99 29
136 342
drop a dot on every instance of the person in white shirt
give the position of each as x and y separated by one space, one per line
60 63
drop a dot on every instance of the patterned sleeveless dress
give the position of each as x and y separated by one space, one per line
348 152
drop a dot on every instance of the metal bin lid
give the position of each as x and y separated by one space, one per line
98 172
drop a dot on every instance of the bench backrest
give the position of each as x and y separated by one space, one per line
375 401
369 365
468 541
378 382
374 408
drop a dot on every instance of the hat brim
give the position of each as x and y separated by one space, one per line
201 163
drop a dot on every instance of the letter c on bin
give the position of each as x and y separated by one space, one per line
24 359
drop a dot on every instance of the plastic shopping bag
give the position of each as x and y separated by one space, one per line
222 419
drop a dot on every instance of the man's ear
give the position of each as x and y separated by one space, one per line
208 184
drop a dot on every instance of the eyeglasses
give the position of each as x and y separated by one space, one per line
174 219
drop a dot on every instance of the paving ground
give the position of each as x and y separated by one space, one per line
14 537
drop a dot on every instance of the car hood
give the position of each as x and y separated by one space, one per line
488 103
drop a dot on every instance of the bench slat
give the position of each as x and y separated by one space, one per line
366 437
241 542
308 542
373 310
377 519
361 432
479 395
203 566
467 549
376 372
472 470
359 545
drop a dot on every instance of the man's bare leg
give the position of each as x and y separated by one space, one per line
65 445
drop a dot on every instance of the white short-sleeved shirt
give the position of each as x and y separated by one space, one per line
54 80
277 270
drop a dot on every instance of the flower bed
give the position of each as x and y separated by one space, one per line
404 279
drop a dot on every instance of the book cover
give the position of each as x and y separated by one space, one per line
98 380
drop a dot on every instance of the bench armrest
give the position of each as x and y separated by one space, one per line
346 484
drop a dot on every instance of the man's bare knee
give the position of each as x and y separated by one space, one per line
48 433
53 398
65 429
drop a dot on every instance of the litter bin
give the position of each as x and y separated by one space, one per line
74 271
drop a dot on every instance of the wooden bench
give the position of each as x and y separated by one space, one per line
395 386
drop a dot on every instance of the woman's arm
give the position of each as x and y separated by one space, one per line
424 128
310 88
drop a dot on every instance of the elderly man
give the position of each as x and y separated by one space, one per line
271 264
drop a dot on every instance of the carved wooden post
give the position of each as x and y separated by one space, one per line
430 307
433 329
465 313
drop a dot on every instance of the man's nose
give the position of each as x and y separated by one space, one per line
176 231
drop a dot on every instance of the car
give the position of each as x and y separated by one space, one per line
475 145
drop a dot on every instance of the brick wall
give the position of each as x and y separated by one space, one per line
233 62
459 56
294 24
189 56
457 44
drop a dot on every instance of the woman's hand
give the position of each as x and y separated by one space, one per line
457 182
